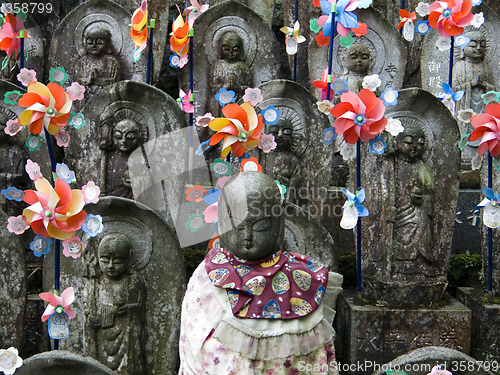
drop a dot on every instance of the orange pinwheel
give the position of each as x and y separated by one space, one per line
180 36
139 30
240 129
405 17
450 17
9 33
54 212
46 106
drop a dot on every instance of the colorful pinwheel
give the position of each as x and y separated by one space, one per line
450 97
139 30
46 106
353 209
185 101
405 17
323 85
58 304
10 32
450 17
359 116
240 129
345 18
491 204
179 40
487 127
292 38
195 10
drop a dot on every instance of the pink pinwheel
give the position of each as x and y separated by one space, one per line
323 85
450 17
195 10
185 101
487 127
46 107
57 302
9 34
359 116
54 212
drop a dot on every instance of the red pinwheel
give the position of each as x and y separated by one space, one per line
9 33
450 17
359 116
487 127
405 17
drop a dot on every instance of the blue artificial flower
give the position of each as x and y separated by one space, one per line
329 135
423 27
64 173
449 94
353 208
174 60
93 225
364 4
389 96
476 2
77 120
461 40
225 96
377 145
339 85
204 146
359 119
271 115
40 245
13 194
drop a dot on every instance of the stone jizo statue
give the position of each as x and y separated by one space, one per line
359 62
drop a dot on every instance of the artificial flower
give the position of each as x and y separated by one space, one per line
323 85
254 96
491 213
214 243
174 60
437 370
91 192
450 17
179 40
361 29
353 209
33 170
449 97
423 9
340 85
77 120
13 194
347 151
26 76
139 29
389 97
293 39
476 2
46 107
63 301
491 97
282 189
423 27
270 115
394 127
347 41
12 97
225 97
465 115
195 10
405 17
443 44
58 75
240 129
212 199
10 360
17 224
221 168
477 20
313 25
329 135
75 91
64 173
322 40
33 142
12 127
62 138
195 223
10 34
377 145
359 116
364 4
461 40
325 106
73 247
204 120
345 18
371 82
40 245
487 127
195 193
204 146
93 225
251 165
185 101
267 143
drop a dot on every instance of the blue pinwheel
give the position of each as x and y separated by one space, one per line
491 204
353 208
345 18
450 97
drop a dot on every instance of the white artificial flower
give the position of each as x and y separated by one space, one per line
394 126
477 20
372 82
443 44
423 9
10 360
347 151
325 106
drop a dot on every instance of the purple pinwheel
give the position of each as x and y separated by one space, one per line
345 18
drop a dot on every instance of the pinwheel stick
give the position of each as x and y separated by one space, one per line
330 55
295 55
358 227
150 50
450 71
490 230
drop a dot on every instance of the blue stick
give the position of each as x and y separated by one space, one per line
358 228
295 56
150 55
490 230
450 71
21 63
330 57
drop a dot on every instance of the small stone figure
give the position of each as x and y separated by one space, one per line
472 74
115 304
9 73
359 62
97 67
413 184
230 71
250 307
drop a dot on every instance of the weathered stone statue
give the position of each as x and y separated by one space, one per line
359 62
120 136
115 309
251 306
472 73
231 71
97 67
11 70
413 205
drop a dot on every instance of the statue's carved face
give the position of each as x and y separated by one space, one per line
126 136
114 254
475 50
231 47
411 144
250 220
359 59
282 132
96 42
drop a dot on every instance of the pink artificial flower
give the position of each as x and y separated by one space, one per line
17 224
204 120
254 96
75 91
267 143
91 192
73 247
12 127
436 370
62 138
26 76
65 300
33 170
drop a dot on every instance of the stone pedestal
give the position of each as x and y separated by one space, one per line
372 334
485 324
